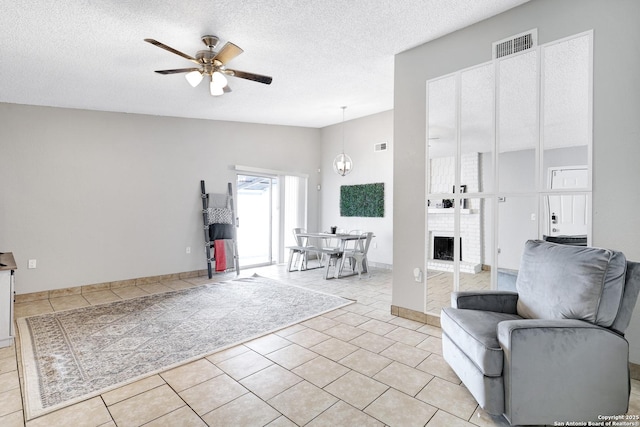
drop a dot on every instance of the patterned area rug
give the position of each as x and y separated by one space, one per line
72 355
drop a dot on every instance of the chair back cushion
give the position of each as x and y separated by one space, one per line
570 282
629 299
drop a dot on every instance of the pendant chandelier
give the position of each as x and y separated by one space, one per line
342 164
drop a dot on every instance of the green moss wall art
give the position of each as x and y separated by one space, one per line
366 200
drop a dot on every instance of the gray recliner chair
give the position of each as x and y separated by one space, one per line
554 350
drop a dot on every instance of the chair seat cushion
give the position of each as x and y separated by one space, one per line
475 334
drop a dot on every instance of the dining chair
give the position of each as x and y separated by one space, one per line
329 247
315 246
301 251
295 251
356 232
356 252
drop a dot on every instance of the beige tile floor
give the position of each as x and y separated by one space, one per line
356 366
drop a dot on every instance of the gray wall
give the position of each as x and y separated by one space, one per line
369 167
97 197
616 128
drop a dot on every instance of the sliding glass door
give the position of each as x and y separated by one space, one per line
257 196
270 206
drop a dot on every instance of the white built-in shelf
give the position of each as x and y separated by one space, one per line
451 210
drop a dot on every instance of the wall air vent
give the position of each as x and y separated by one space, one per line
380 146
514 44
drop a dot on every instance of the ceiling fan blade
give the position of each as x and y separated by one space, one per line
228 52
178 70
249 76
172 50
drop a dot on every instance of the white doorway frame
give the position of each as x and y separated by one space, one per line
279 238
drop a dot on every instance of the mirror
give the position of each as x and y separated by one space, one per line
441 95
440 252
517 123
566 139
477 128
515 135
517 223
566 104
474 250
441 154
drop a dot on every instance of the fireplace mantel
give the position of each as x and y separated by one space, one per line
451 210
447 266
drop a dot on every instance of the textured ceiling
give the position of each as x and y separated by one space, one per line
322 54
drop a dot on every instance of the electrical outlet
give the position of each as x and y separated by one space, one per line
188 249
32 263
375 245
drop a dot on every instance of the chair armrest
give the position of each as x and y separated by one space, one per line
571 361
530 330
498 301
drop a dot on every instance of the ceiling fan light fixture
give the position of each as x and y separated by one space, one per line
215 89
212 64
218 79
194 78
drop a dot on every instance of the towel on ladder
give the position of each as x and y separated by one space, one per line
220 255
229 253
220 231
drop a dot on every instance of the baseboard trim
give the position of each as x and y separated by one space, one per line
634 370
381 265
418 316
85 289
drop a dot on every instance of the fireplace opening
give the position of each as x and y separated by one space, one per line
443 248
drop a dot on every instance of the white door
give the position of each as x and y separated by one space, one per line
567 213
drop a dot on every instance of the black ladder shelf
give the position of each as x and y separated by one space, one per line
228 197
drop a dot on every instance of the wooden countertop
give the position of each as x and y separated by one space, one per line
7 262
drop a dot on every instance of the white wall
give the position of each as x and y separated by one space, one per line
616 128
98 197
369 167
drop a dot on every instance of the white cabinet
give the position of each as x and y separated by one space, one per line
7 268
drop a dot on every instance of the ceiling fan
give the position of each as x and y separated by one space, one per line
211 64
